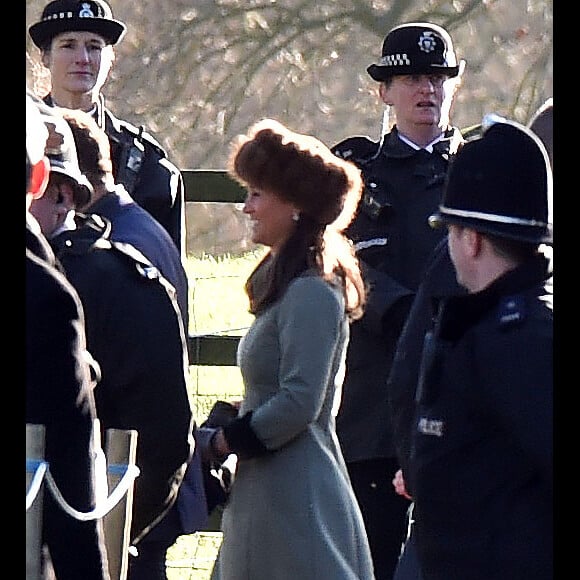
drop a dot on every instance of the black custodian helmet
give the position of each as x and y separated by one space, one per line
76 16
500 184
416 48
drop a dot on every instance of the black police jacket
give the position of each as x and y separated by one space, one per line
141 164
481 465
59 396
394 242
135 332
439 282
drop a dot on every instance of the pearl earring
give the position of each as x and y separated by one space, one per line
295 216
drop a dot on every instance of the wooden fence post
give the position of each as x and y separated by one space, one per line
121 451
34 455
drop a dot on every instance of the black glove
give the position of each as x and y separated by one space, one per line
218 473
220 414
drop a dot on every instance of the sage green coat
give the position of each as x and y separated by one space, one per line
292 514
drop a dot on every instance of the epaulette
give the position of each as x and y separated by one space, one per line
144 266
472 132
122 126
358 149
143 136
511 311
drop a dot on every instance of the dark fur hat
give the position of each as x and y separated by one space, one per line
76 15
500 184
298 168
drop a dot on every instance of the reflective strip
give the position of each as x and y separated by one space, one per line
395 60
369 243
490 217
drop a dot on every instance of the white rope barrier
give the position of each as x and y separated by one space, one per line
103 507
40 468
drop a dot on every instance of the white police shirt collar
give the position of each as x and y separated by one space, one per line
428 147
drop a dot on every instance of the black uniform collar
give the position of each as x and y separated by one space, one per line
394 146
100 114
100 110
534 271
450 143
97 112
106 119
92 230
463 311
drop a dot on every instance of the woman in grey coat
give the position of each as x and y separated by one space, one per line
292 513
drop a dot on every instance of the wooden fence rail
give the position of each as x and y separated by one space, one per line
212 185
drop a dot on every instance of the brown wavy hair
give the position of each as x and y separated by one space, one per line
94 150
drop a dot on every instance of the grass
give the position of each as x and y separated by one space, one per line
192 556
218 305
218 301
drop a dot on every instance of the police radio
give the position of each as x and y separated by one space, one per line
130 162
373 205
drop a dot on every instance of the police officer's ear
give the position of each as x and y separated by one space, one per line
384 92
471 241
45 58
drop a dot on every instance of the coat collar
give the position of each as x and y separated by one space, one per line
461 312
393 146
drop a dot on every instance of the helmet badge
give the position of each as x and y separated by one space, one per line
85 11
426 42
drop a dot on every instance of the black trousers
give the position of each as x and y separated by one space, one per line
384 511
408 567
150 563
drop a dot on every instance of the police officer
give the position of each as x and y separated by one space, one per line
135 228
418 75
76 40
59 380
482 456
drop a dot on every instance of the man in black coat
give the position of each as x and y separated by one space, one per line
439 282
76 40
131 224
481 460
418 75
136 331
59 387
